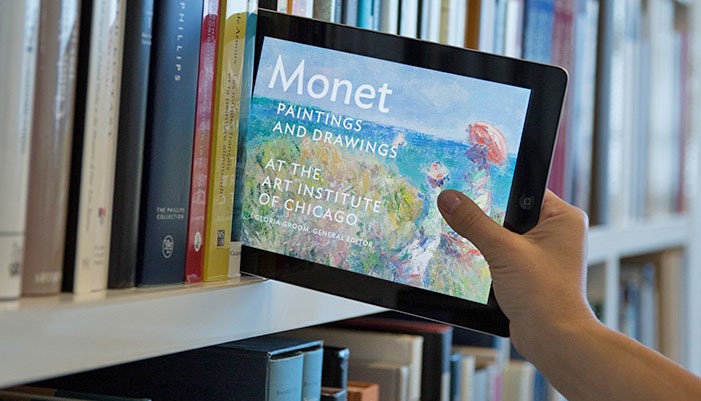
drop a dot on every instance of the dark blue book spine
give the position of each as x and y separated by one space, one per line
130 144
169 139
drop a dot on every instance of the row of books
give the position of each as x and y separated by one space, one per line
380 357
624 146
119 128
650 292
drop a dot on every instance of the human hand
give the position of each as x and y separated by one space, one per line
539 278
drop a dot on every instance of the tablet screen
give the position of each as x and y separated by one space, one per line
346 154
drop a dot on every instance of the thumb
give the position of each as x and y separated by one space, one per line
467 219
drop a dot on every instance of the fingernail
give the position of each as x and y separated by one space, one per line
448 202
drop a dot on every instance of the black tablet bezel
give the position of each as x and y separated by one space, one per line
547 84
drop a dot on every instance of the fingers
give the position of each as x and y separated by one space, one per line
468 220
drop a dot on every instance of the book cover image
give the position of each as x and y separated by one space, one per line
346 155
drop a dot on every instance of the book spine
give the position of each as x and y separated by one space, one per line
472 30
409 18
538 30
52 138
19 32
304 8
325 10
389 16
196 235
246 94
350 12
562 55
285 378
224 143
130 144
311 374
169 138
335 367
99 152
365 14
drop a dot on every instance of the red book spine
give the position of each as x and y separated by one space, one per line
202 141
563 25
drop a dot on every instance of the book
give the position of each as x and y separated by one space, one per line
248 370
472 28
583 101
363 391
130 144
513 30
455 376
325 10
224 143
52 138
313 355
447 21
19 32
430 23
466 381
661 170
169 138
365 14
349 12
53 392
334 372
201 154
392 378
562 55
94 157
303 8
538 30
367 346
487 26
671 280
234 269
519 377
488 377
389 16
437 340
409 18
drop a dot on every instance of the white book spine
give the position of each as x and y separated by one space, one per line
513 30
487 31
19 32
99 146
409 20
390 16
434 20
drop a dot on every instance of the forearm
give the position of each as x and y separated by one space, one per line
588 361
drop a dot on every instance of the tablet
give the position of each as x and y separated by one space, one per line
351 136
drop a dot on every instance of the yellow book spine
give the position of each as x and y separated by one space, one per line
222 175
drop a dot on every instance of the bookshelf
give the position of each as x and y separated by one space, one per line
50 336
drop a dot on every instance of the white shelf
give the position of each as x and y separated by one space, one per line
52 336
637 238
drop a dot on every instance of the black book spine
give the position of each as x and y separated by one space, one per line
130 144
169 140
81 94
334 369
268 4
